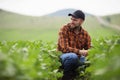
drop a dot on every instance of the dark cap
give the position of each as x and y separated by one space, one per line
78 14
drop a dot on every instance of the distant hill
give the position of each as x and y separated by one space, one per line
20 27
113 19
65 12
10 19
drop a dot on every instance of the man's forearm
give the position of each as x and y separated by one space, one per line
75 50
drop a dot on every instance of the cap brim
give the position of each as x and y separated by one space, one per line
72 15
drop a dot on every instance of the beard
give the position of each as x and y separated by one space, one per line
75 26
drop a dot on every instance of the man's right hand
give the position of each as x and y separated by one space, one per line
83 52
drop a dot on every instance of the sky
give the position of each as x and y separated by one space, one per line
43 7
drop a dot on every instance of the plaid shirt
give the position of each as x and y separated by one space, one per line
69 41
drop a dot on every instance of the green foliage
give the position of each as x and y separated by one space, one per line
38 60
105 58
25 60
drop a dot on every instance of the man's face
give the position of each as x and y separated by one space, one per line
75 22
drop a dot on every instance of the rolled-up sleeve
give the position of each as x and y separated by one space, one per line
88 42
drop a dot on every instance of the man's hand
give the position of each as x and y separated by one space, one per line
83 52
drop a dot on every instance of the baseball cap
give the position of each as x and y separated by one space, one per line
78 14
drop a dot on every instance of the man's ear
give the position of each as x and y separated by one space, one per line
81 21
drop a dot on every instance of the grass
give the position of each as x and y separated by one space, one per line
114 19
46 28
27 34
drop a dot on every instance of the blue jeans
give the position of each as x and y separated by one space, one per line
71 61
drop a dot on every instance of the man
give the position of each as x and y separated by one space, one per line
74 43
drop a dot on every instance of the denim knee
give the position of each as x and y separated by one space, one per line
68 55
69 61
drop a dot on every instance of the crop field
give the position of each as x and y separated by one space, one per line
28 48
